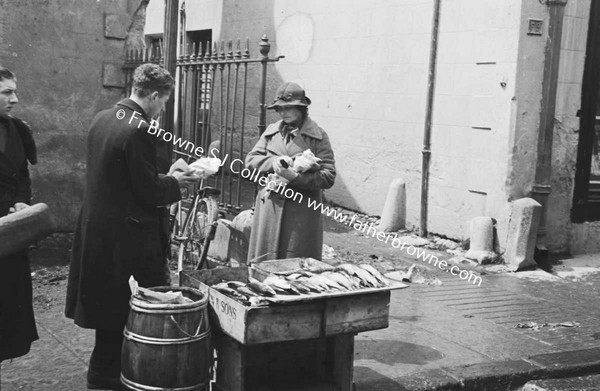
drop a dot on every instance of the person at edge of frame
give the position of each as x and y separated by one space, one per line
17 147
284 227
122 228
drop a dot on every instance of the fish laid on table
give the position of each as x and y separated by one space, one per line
319 268
261 288
235 284
313 287
280 284
300 287
341 279
375 273
225 289
366 278
244 290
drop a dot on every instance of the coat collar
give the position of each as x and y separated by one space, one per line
309 128
130 104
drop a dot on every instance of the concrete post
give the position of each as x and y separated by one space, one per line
481 234
393 216
522 231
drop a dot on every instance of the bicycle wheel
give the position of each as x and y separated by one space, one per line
190 249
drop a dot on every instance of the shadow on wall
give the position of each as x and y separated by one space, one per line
253 20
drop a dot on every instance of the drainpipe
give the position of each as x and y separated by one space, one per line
428 115
543 170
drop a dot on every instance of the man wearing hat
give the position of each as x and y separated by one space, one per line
285 227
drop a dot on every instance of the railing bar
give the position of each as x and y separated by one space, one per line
250 60
239 183
227 141
235 87
213 70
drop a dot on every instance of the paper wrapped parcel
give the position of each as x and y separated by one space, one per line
151 296
203 167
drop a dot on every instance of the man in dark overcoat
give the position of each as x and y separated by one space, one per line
123 223
17 323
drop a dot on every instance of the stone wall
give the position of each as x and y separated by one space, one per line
67 56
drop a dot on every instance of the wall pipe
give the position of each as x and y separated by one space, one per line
543 170
428 115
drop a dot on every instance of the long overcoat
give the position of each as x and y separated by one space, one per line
17 323
286 226
122 226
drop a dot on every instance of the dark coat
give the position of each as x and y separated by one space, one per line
122 226
17 323
284 227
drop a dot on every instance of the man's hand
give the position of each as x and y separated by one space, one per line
18 207
185 177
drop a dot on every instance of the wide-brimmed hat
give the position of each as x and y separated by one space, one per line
289 94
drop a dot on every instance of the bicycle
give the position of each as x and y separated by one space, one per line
194 226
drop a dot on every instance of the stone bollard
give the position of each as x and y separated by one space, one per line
522 232
481 234
393 216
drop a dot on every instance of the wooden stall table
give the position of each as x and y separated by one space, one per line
304 343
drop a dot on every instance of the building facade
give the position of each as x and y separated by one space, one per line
501 80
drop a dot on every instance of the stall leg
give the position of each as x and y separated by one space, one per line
341 356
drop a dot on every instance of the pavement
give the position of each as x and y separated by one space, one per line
509 332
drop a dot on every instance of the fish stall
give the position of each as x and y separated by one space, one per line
290 324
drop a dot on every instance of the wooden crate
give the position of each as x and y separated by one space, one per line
318 317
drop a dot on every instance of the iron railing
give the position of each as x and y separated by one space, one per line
212 104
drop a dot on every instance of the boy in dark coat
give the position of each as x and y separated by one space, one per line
17 324
122 227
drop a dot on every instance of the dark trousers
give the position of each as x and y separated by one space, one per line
105 361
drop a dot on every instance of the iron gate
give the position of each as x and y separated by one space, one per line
213 106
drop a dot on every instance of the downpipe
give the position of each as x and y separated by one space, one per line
428 116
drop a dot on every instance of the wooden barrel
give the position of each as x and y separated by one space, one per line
167 346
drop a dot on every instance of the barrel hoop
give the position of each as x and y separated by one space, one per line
167 310
142 387
164 341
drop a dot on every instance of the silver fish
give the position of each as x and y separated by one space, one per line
327 282
261 288
277 282
339 278
235 284
244 290
382 280
223 288
310 285
300 287
366 278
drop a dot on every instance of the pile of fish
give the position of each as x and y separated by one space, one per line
306 280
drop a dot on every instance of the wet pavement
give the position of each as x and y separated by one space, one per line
452 336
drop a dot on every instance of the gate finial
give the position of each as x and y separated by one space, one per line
265 47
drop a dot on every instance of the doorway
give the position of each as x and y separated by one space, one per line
586 196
